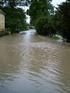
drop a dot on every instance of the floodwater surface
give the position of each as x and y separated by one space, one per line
30 63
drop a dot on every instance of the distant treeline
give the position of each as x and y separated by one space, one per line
46 20
15 17
49 22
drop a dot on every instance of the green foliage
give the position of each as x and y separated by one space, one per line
63 19
44 26
46 22
42 17
39 8
41 12
15 19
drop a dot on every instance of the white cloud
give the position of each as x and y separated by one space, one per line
57 2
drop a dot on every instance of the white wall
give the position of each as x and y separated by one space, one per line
2 22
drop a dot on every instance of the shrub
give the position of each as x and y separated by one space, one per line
15 19
44 27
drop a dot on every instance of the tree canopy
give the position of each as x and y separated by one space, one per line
47 21
39 8
42 15
63 17
15 17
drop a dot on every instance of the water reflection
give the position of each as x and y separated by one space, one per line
33 64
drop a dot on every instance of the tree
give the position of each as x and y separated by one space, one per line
15 17
39 8
63 19
41 12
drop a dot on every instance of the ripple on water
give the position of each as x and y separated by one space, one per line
33 64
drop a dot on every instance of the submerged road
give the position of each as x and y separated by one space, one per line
30 63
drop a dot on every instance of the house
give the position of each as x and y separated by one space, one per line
2 21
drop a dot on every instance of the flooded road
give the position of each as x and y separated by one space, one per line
30 63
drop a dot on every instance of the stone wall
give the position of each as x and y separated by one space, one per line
2 22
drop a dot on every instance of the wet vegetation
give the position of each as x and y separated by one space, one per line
15 17
46 21
49 22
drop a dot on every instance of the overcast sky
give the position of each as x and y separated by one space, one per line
56 2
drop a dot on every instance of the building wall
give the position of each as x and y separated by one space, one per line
2 22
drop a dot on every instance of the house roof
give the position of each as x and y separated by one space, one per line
1 12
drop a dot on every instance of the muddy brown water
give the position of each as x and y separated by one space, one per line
30 63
